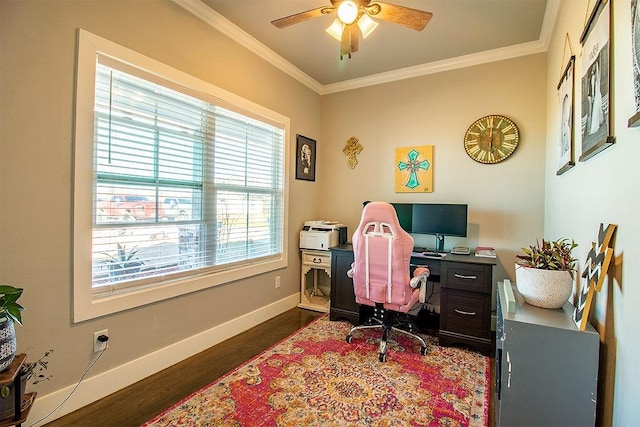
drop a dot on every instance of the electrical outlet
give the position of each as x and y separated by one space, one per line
277 282
99 345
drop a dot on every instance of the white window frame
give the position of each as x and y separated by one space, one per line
86 305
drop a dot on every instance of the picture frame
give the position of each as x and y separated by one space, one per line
414 169
305 158
596 82
566 100
634 121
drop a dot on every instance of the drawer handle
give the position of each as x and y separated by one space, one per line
466 313
460 276
317 260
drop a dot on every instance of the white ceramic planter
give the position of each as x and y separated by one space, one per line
544 288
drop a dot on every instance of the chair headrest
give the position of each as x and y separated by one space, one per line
380 212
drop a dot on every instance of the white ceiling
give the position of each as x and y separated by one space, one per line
461 33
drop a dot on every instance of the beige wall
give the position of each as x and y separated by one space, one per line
604 189
38 47
511 204
505 200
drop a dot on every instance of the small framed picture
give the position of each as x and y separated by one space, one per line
305 158
566 101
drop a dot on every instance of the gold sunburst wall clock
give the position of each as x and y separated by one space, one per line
491 139
414 169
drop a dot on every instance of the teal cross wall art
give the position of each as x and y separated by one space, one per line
414 169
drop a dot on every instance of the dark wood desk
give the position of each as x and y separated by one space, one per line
465 300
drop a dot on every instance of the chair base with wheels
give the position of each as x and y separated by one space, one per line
389 321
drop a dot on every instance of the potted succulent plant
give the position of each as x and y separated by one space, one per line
10 313
544 272
124 263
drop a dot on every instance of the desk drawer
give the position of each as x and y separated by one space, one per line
466 313
316 258
468 277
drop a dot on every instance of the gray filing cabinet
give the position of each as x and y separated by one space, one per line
546 369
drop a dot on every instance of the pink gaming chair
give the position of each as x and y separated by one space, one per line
381 274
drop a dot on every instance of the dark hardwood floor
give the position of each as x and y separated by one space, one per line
143 400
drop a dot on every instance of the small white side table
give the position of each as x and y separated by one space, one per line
312 297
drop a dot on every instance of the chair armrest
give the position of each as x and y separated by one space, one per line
350 271
420 276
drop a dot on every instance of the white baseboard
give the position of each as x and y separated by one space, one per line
106 383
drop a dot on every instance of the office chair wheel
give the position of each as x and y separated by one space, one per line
382 357
349 338
423 351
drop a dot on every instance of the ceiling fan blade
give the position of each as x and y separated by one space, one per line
406 16
354 37
303 16
349 40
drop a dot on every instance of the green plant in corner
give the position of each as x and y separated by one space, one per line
30 370
549 255
9 306
36 370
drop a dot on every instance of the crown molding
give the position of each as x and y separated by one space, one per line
226 27
448 64
549 21
220 23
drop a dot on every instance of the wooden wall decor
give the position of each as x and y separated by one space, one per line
597 265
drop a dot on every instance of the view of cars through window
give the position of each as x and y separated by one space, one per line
135 237
129 208
152 234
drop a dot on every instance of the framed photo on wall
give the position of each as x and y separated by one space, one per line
305 158
566 97
596 82
634 121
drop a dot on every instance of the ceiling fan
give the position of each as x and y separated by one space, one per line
354 15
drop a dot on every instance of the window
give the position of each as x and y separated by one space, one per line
178 185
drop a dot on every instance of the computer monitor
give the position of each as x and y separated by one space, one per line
440 220
405 215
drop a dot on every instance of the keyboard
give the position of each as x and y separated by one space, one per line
434 254
430 253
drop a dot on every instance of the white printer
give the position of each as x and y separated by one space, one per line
322 235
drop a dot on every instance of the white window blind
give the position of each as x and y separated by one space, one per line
183 185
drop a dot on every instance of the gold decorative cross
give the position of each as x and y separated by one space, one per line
351 149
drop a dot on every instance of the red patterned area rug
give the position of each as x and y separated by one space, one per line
315 378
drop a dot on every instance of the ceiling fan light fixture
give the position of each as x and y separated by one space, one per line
335 29
348 12
366 25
